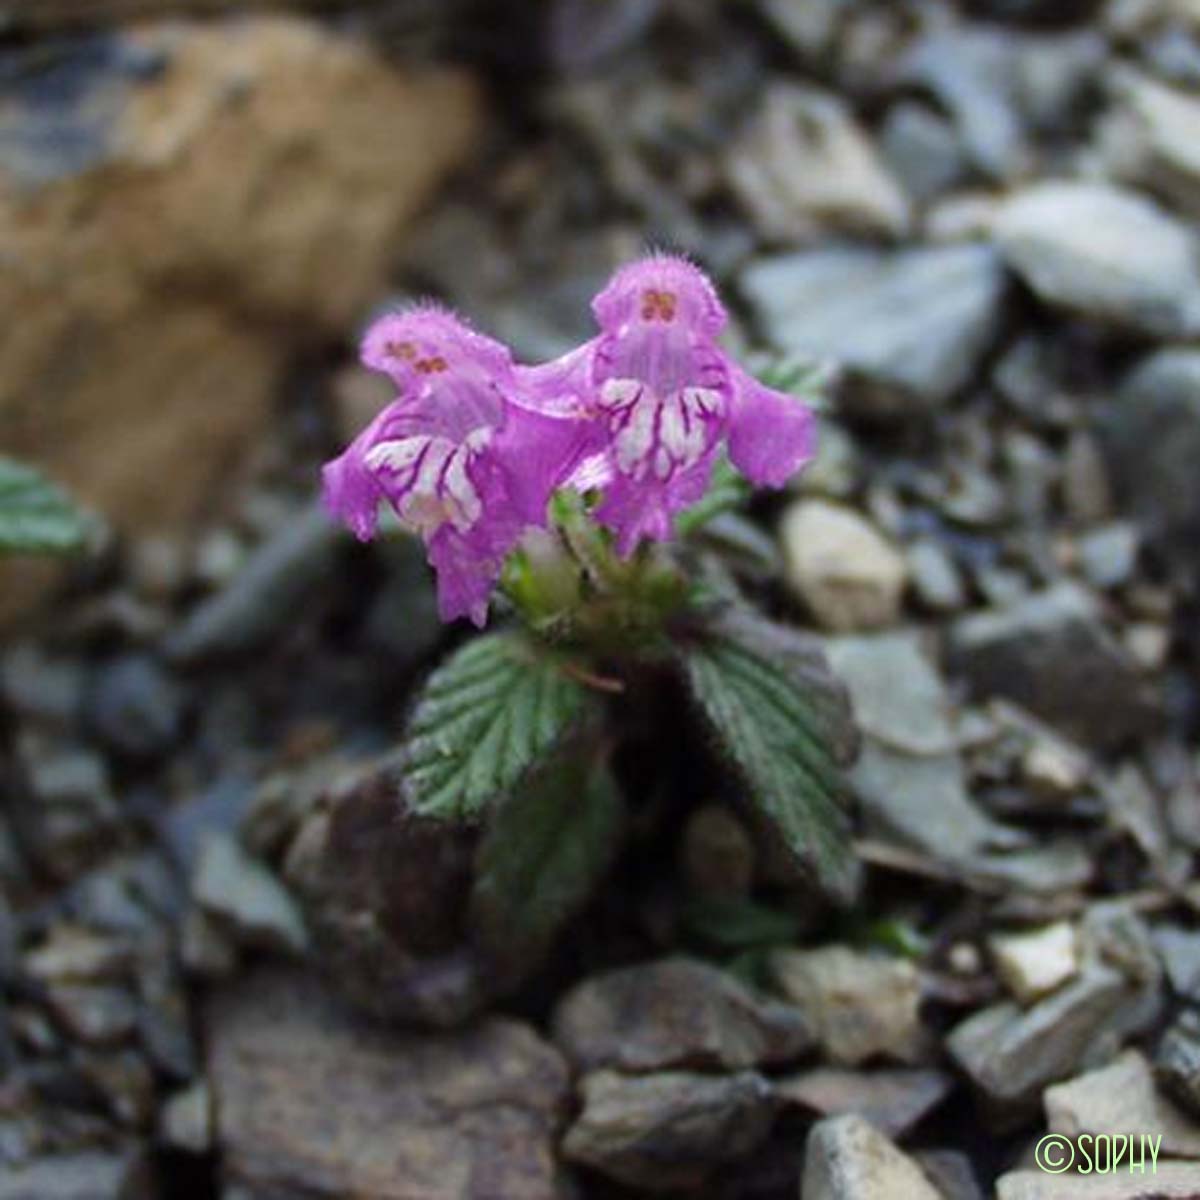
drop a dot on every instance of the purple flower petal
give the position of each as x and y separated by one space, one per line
771 434
463 455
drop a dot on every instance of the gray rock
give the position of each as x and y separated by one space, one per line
310 1102
1149 139
675 1014
1121 1097
952 1173
1177 1062
1050 654
859 1006
972 73
1151 439
186 1120
909 327
670 1129
1180 952
808 28
1108 555
892 1100
265 594
922 149
936 581
71 816
38 686
1168 1181
95 1014
909 776
88 1175
1010 1054
1105 253
847 1158
804 166
241 891
135 706
847 574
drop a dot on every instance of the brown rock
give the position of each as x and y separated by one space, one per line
675 1013
309 1102
200 214
893 1101
668 1130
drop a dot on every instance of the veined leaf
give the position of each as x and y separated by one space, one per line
545 849
493 709
36 516
777 732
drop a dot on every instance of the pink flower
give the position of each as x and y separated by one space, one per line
665 396
459 454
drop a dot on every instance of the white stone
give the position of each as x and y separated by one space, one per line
849 575
847 1158
1034 964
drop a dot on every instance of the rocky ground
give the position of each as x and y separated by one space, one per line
215 938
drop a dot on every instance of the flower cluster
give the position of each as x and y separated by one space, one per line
474 444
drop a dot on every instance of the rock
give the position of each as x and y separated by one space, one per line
242 892
909 327
171 179
1035 963
91 1013
1050 654
936 581
951 1173
718 853
1168 1181
70 817
860 1007
186 1120
1150 438
386 897
892 1100
264 595
135 706
805 167
1120 1098
87 1175
38 686
1108 555
1180 953
1087 489
75 953
1148 139
971 72
1177 1062
308 1101
808 28
670 1129
1010 1054
847 1158
847 574
1105 253
909 777
922 150
674 1014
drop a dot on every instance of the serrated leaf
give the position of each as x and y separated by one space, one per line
493 709
775 731
547 846
36 516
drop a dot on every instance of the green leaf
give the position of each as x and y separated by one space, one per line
736 923
545 850
800 376
493 709
776 726
36 516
